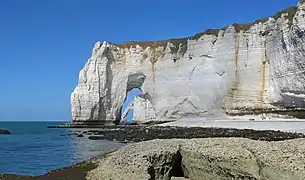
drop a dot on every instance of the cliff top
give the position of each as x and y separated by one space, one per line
238 27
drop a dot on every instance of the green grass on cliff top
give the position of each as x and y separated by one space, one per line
238 27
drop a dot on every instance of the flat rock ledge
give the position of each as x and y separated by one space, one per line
206 159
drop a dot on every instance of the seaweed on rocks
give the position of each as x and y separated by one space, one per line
4 131
138 133
75 172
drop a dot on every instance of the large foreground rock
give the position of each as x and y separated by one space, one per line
207 159
237 69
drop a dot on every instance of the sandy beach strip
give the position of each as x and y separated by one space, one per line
244 122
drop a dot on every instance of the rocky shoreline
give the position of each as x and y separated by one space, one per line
74 172
146 133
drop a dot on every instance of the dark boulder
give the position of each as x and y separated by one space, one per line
3 131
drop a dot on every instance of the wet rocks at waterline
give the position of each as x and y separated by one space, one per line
4 131
142 133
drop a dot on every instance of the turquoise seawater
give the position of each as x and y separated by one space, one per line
33 149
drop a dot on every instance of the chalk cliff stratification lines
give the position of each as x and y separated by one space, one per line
237 69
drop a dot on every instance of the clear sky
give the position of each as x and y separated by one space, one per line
44 43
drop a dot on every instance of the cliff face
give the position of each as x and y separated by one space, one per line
237 69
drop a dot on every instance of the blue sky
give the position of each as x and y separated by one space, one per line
44 44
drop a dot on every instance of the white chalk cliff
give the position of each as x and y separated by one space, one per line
238 69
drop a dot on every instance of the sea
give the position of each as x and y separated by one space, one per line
33 149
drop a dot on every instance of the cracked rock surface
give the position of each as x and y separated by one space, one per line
210 158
